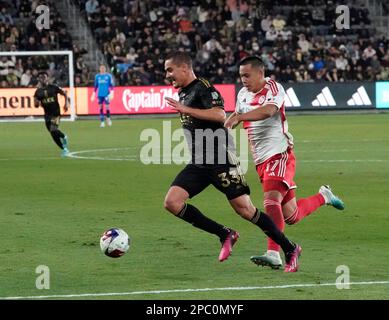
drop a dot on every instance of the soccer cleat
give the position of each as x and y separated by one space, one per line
270 259
64 141
102 124
227 245
109 122
292 259
65 152
330 198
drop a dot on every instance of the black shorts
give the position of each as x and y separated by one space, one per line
226 179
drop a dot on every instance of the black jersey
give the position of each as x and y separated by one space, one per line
209 141
48 96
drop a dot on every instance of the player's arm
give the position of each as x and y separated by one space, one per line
216 114
230 122
211 106
37 102
67 99
111 86
261 113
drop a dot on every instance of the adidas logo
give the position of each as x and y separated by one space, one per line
359 98
291 99
324 99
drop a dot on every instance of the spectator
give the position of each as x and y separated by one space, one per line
318 64
341 63
271 35
278 23
375 64
91 7
369 52
26 78
266 23
5 17
304 44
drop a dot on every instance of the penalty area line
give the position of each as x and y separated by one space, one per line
156 292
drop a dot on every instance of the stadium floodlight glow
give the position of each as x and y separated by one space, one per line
68 53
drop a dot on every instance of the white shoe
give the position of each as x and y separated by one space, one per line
271 259
65 152
109 122
102 124
330 198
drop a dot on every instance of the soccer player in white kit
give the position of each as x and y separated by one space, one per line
260 106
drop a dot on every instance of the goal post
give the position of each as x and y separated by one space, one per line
67 53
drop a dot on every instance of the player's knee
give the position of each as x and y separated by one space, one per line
245 210
173 205
269 201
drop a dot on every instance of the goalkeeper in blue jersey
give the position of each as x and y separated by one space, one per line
104 86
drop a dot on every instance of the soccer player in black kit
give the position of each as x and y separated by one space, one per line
47 96
201 109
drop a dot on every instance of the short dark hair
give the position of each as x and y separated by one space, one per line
254 61
43 73
180 57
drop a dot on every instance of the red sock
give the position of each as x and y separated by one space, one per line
274 210
305 207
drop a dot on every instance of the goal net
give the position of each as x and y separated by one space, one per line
19 79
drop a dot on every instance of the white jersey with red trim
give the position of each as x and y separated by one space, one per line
269 136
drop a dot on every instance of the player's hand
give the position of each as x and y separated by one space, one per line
176 105
232 121
93 96
110 97
66 106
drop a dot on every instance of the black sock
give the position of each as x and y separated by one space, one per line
192 215
268 226
57 135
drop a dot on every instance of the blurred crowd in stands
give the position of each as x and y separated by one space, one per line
18 32
297 40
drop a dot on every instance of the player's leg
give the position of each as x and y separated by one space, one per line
276 175
296 210
245 208
59 137
101 109
231 181
188 183
274 191
108 112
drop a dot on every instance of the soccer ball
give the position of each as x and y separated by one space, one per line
114 242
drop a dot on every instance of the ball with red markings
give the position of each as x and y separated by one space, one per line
114 242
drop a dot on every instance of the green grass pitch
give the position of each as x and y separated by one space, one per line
53 210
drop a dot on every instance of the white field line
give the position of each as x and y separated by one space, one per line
28 159
346 140
83 154
157 292
347 160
